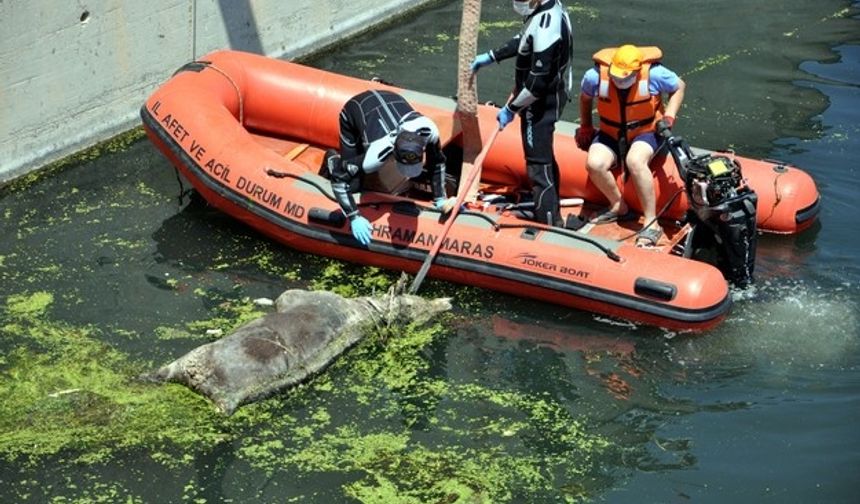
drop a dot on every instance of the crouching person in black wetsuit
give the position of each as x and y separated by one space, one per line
541 88
382 145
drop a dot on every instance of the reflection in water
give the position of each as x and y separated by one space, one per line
613 380
785 256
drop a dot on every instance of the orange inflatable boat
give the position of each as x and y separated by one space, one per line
249 133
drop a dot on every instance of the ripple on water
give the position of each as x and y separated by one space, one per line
784 323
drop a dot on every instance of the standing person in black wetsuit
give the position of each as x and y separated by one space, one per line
382 145
542 86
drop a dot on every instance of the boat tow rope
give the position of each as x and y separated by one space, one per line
183 192
780 169
278 174
496 226
208 64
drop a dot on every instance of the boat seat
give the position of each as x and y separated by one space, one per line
296 151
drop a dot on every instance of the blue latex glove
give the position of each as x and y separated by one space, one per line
505 116
445 204
361 229
481 60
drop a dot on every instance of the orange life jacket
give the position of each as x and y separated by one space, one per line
640 111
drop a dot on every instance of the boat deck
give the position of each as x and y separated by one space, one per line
312 157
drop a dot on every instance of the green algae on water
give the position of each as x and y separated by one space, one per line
379 418
62 390
392 436
228 315
23 306
349 280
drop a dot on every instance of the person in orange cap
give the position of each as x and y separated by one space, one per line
629 83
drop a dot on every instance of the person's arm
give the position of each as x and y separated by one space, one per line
496 55
347 168
537 83
436 161
676 98
585 133
344 173
589 87
342 176
351 147
507 50
586 103
665 81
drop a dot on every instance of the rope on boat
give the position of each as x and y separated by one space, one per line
279 174
183 192
652 221
496 226
777 196
235 86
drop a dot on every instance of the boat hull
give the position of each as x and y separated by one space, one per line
249 133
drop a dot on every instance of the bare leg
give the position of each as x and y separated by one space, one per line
599 163
643 180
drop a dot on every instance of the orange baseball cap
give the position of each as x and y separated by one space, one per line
626 60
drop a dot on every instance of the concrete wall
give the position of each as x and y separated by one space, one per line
73 73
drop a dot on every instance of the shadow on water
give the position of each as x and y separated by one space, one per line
206 232
786 256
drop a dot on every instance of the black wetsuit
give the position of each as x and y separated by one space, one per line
369 123
542 78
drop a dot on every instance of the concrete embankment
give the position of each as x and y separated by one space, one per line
75 73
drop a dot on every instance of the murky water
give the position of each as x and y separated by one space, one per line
513 400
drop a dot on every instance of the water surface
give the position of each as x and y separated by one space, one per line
514 400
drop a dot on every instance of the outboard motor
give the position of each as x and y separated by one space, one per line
722 210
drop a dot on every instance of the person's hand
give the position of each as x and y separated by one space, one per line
444 204
669 120
361 229
505 116
481 60
584 137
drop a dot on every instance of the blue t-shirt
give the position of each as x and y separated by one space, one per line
660 80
